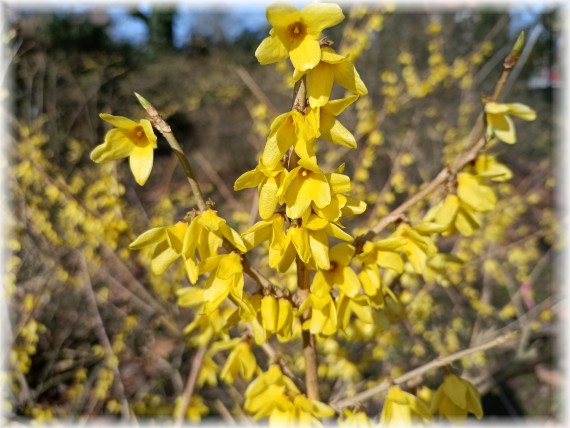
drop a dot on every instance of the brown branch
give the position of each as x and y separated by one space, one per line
419 371
190 384
164 128
476 143
256 90
102 335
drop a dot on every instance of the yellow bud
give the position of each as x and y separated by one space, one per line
269 309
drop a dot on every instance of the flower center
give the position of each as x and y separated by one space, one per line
297 30
139 137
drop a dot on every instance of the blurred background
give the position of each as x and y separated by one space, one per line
93 334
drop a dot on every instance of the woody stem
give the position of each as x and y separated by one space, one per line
163 127
303 282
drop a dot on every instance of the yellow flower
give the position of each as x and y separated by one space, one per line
418 247
355 418
403 408
499 122
128 139
269 391
323 119
473 191
225 280
297 33
205 236
286 130
339 274
386 254
333 67
455 398
240 361
267 181
303 186
168 242
324 318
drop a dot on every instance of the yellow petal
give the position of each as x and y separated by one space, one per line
233 237
345 75
306 55
282 14
164 256
140 161
300 239
319 84
271 50
118 121
522 111
117 145
319 244
448 211
269 313
467 221
248 179
475 193
150 237
268 197
319 16
502 126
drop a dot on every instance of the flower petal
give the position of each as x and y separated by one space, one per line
305 55
140 161
117 145
271 50
118 121
319 84
319 16
345 75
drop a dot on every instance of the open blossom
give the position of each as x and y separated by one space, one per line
136 141
296 33
499 122
455 398
332 68
402 408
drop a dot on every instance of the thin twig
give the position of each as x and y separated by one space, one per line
256 90
436 363
477 142
102 335
190 384
164 128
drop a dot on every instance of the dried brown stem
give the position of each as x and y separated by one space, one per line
190 384
164 128
436 363
477 142
102 336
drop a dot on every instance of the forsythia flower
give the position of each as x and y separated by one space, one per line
128 139
386 254
301 187
240 361
402 408
323 119
275 396
417 248
499 122
267 182
333 67
286 130
168 242
297 33
356 418
455 398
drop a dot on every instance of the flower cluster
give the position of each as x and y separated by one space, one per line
273 395
300 205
